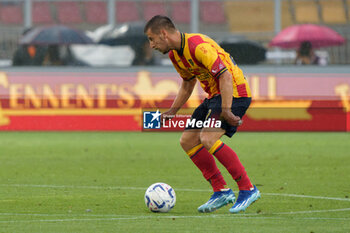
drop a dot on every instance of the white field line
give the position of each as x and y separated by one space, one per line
307 196
76 217
144 216
312 211
178 189
230 216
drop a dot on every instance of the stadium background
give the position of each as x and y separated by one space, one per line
258 20
286 97
89 181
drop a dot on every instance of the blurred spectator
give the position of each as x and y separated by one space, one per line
58 55
52 57
28 55
307 56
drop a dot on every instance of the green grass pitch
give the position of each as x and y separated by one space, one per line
95 182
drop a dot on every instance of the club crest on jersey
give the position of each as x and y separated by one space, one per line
204 50
191 62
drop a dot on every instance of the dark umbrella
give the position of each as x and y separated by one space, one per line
244 51
55 35
126 34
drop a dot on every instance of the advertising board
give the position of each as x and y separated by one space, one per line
115 101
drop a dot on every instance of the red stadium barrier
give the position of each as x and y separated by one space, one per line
114 101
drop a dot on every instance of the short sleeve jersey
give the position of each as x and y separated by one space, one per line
202 58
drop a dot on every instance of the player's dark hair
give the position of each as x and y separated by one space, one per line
159 22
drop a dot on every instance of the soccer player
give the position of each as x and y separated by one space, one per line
197 57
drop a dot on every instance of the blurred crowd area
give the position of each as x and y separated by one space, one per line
253 20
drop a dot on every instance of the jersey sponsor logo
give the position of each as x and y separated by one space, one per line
203 76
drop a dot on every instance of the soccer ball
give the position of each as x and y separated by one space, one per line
160 197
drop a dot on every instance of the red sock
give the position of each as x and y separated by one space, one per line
230 160
206 163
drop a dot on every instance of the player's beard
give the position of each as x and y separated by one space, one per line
164 51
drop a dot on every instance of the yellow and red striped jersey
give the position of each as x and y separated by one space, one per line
202 58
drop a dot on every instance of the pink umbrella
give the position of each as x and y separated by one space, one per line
319 36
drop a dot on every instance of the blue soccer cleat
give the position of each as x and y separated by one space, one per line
245 199
217 200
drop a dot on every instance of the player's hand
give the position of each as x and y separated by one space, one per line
231 118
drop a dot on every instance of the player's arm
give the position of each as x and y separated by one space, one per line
226 90
181 98
210 58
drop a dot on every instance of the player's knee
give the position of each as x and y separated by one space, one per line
207 140
182 141
187 142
